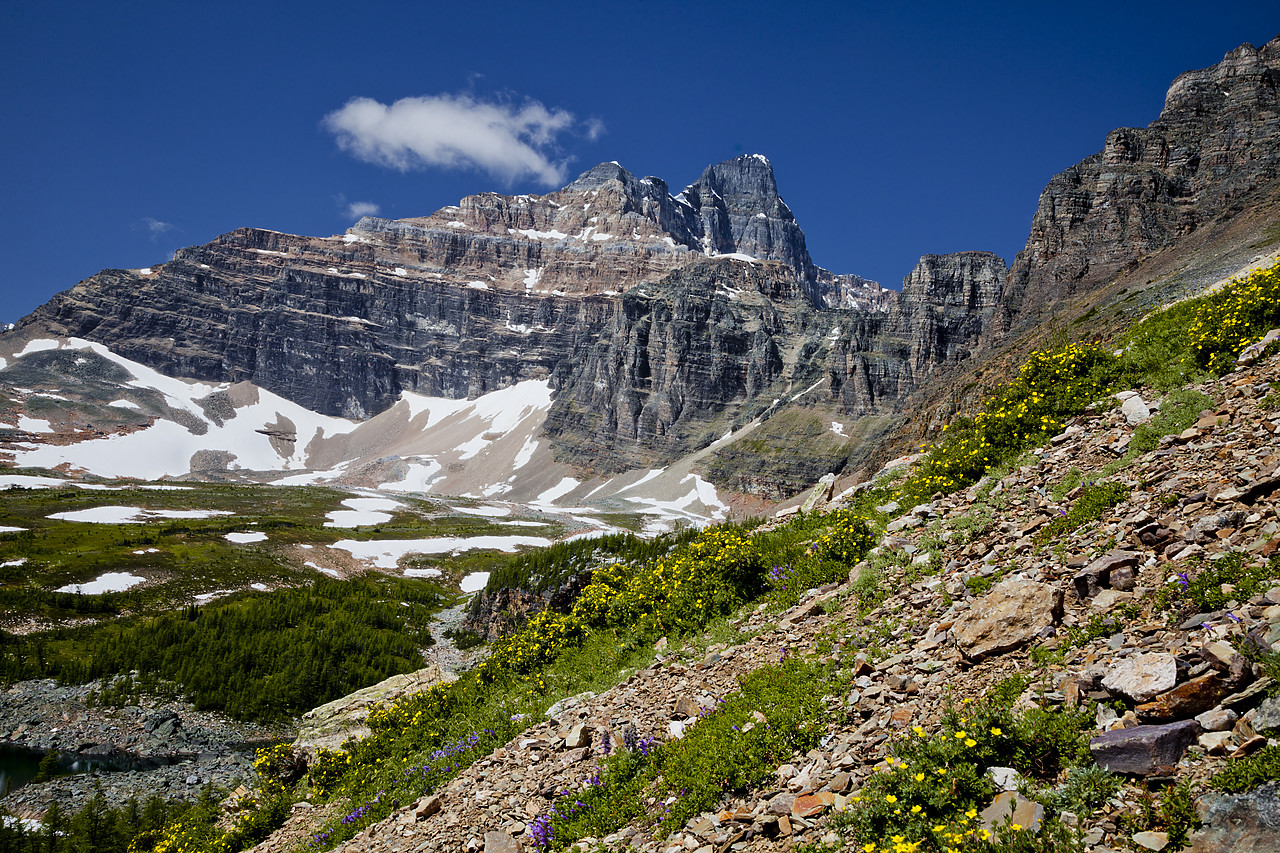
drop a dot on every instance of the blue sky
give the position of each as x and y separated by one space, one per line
895 129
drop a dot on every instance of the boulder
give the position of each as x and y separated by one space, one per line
1141 749
1011 615
1267 717
1097 575
1135 411
1240 823
1144 677
1188 699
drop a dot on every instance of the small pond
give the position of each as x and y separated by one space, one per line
19 765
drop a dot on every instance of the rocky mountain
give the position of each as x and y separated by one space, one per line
667 325
661 321
1210 155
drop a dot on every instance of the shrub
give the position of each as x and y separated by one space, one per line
1246 774
929 790
1089 505
1051 386
1175 813
1085 789
1229 320
1208 587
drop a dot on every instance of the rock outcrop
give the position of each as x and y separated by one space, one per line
332 724
1210 153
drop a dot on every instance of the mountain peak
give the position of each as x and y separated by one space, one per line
600 175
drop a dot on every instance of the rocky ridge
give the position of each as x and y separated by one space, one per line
660 321
987 596
1210 154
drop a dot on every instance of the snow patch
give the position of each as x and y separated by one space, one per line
246 538
110 582
318 568
534 234
474 582
525 453
422 573
487 511
838 428
165 448
386 553
33 424
124 404
362 511
419 478
29 481
132 514
38 345
559 490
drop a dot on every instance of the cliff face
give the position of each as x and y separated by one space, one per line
1215 146
720 342
473 298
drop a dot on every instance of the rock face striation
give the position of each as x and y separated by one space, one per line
661 320
1212 152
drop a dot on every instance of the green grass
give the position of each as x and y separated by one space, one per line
1246 774
184 557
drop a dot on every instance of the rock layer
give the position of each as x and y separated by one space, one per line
1212 150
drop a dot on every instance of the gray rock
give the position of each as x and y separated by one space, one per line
1240 823
1135 411
1012 614
1218 720
1151 840
1144 677
1141 749
1267 717
579 736
1005 778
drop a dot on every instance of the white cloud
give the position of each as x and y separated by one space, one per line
154 227
458 131
357 209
